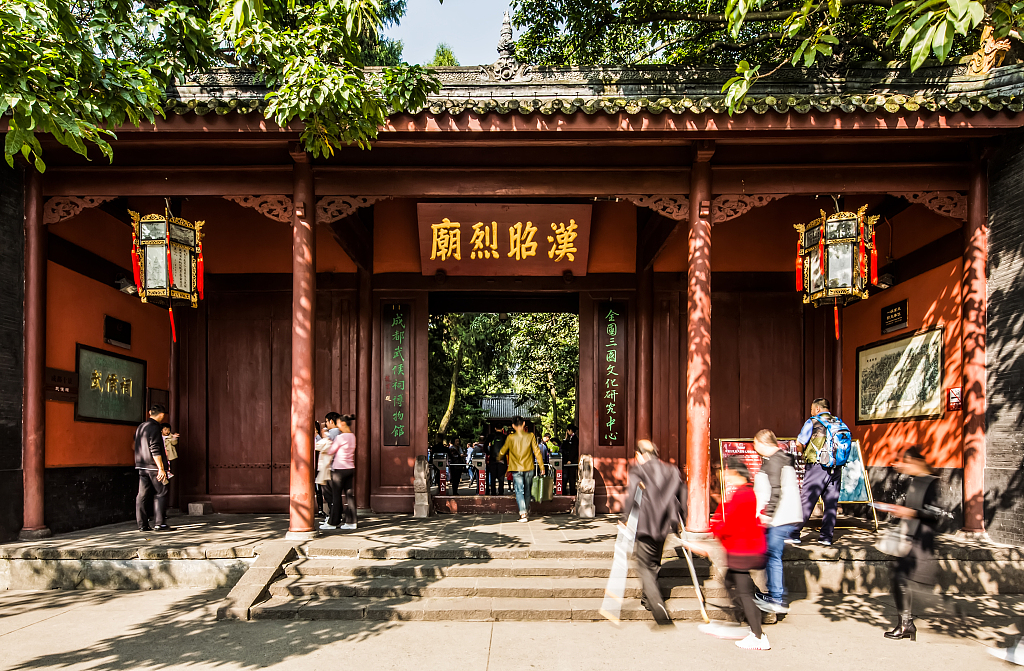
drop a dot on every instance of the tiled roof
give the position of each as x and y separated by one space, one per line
504 406
658 89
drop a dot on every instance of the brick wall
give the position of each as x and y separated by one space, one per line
12 254
1004 472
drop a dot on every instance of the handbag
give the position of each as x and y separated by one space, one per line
896 541
543 488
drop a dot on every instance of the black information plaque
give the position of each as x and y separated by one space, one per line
395 333
612 357
895 317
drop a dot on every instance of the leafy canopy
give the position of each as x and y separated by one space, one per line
444 57
754 35
78 69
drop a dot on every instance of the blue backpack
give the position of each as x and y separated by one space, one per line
835 451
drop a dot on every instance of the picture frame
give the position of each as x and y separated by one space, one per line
901 379
112 387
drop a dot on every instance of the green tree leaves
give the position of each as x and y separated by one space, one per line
79 69
444 57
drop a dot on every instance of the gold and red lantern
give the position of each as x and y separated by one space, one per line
167 259
836 259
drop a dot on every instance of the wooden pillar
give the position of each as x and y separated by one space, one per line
172 409
645 354
363 391
973 324
837 366
698 339
300 520
33 415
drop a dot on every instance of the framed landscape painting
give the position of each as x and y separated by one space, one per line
901 379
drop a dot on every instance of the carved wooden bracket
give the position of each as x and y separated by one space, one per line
724 207
947 203
276 207
673 207
332 208
59 208
730 206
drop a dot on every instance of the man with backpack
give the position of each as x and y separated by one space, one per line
826 442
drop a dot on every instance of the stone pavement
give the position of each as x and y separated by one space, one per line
175 629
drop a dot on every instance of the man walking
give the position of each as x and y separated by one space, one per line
570 452
150 462
822 476
662 511
523 455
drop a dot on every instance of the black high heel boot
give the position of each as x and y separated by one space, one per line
905 629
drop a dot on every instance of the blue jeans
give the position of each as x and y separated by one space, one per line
776 545
522 482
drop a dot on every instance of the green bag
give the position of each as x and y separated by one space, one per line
543 488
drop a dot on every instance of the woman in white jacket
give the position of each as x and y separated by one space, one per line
778 503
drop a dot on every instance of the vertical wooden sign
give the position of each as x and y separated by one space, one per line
396 372
612 372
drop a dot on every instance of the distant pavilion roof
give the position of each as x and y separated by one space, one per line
503 407
874 87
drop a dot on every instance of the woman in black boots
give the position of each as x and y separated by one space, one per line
917 570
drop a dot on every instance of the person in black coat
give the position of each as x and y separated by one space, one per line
918 570
151 464
570 451
662 511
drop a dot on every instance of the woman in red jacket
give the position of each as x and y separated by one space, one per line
736 525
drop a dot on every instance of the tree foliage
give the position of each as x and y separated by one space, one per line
755 36
533 355
78 69
444 57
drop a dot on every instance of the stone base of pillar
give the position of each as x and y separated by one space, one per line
301 535
967 535
423 505
34 534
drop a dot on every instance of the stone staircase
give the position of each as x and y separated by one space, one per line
425 588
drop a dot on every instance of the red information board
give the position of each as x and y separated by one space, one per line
744 448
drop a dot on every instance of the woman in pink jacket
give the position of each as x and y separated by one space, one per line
343 475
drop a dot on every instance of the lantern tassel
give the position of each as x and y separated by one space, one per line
136 269
170 313
862 257
874 257
170 281
836 315
821 254
199 271
799 266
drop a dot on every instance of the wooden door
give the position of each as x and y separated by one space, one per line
239 379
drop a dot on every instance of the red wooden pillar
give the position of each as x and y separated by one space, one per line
698 348
973 324
34 408
363 391
300 520
645 355
172 408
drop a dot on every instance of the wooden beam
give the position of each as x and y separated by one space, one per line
204 180
655 233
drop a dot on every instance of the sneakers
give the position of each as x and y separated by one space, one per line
793 541
824 541
732 631
752 642
347 527
327 526
661 615
770 605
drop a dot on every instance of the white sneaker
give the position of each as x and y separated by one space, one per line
752 642
728 631
325 526
347 527
1014 655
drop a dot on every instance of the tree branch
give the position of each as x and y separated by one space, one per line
736 46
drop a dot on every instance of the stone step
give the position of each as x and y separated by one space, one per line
474 587
465 609
494 568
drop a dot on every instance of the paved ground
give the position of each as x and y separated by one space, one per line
170 629
232 535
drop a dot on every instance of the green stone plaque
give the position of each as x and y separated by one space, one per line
111 388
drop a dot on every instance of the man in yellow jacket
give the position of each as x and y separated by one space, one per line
522 451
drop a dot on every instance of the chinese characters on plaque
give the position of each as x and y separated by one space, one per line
612 356
395 334
495 239
112 387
